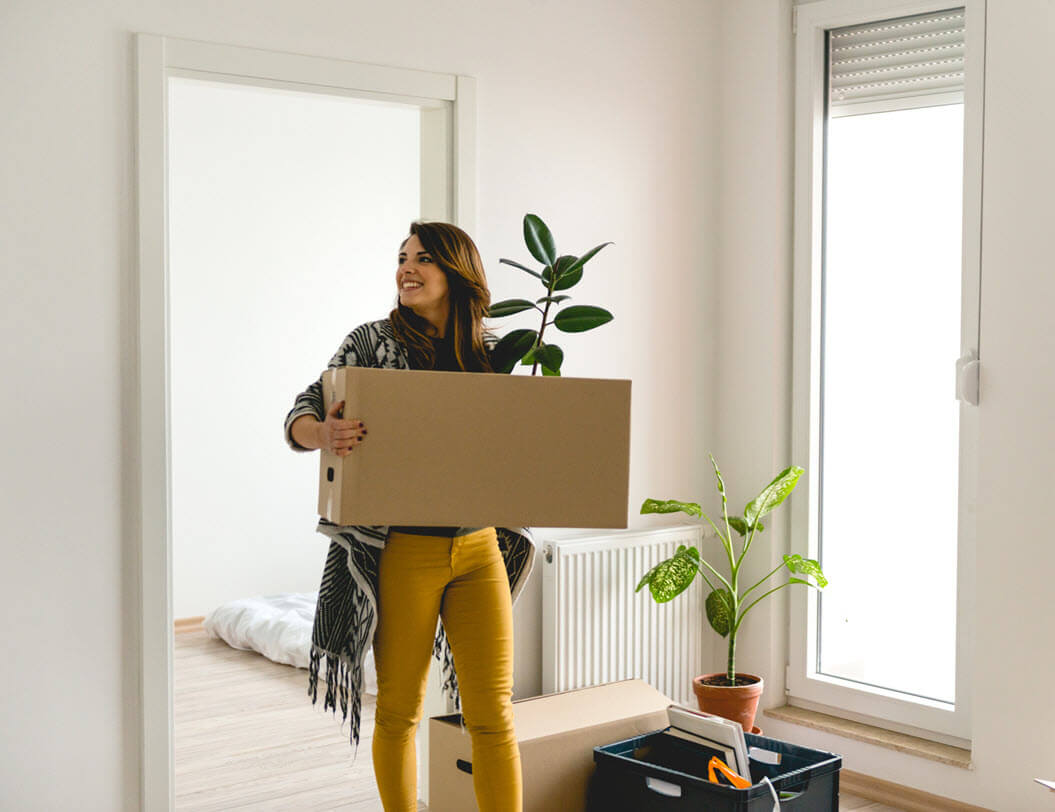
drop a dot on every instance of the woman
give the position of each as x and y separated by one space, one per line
387 585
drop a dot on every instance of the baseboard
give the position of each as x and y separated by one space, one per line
901 797
189 624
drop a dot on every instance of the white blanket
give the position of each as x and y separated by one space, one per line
277 626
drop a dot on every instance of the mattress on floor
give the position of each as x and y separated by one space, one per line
277 626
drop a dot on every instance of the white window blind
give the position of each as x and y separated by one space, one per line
896 64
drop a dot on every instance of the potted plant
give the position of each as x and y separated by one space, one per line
729 694
559 273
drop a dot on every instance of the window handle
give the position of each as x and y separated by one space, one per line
967 374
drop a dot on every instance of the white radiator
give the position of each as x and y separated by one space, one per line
596 629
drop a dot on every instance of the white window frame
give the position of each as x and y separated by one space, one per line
807 688
448 105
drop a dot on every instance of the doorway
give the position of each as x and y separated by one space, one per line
274 189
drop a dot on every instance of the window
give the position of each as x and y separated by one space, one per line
886 320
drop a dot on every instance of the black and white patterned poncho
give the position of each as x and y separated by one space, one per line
346 612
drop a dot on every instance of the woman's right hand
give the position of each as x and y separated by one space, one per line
339 436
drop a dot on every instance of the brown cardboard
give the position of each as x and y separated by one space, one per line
469 449
556 734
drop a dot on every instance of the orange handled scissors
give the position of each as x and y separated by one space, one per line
734 779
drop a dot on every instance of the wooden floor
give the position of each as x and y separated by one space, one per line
853 802
248 738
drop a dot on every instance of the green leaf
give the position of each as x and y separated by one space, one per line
804 566
718 613
718 476
568 273
562 265
564 261
562 278
740 526
773 494
524 268
546 371
511 348
671 506
509 307
568 279
580 318
670 578
529 357
645 579
551 357
586 258
539 240
800 581
553 299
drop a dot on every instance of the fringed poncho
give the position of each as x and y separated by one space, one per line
346 612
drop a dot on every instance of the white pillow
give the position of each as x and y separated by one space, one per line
277 626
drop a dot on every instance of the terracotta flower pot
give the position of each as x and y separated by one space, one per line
737 702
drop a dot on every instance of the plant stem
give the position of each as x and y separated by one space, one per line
730 667
703 575
717 574
725 542
747 543
549 295
733 565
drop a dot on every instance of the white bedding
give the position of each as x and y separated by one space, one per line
277 626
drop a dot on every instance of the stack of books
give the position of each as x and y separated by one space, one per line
718 736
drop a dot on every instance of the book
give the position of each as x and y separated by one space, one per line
711 747
724 732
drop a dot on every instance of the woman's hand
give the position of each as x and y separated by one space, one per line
339 436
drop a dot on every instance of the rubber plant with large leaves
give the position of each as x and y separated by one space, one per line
727 605
558 274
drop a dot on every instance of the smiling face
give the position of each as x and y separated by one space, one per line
422 285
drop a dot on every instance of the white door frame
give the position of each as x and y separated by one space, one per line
158 58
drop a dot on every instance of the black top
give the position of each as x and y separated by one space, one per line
446 361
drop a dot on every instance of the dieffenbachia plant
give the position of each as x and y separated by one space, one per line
559 273
726 605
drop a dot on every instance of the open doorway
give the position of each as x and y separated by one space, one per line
277 193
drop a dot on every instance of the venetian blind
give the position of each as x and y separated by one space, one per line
895 64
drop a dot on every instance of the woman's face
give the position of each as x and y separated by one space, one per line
421 284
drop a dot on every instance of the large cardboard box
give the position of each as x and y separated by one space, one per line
557 734
468 449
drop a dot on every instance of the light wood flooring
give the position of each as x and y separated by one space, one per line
248 738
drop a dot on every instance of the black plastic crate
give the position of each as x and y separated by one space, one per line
805 779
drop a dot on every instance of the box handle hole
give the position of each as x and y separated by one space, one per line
663 787
329 474
465 766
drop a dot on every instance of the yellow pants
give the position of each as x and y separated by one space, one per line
463 579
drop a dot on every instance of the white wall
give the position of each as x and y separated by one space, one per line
598 116
1014 661
750 436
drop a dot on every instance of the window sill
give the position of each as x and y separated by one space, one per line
902 742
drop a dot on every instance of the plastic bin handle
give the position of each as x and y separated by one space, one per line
662 787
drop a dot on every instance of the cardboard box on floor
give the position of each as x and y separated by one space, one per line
478 450
557 734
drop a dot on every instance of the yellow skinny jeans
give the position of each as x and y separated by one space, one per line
463 579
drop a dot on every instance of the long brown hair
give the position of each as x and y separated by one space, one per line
456 255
